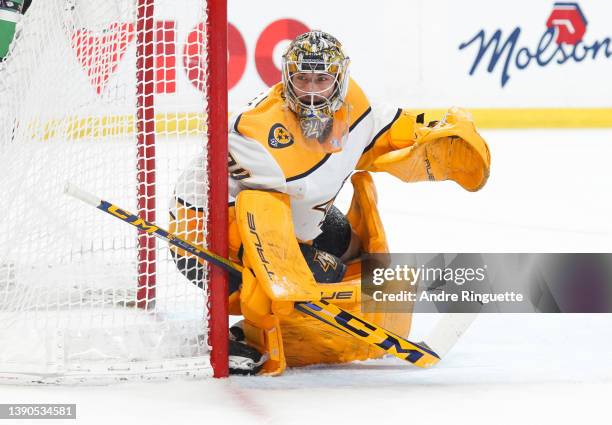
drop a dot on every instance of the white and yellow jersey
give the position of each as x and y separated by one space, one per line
266 154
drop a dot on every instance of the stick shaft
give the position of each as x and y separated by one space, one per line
151 228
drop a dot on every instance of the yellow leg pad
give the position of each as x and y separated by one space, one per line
363 214
308 341
275 273
188 224
266 230
261 328
267 338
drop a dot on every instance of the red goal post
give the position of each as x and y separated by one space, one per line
216 87
216 90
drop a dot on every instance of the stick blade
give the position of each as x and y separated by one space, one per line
448 331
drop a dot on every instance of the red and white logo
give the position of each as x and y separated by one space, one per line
569 22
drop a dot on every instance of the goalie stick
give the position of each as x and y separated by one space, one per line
419 354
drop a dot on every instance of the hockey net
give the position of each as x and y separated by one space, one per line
90 94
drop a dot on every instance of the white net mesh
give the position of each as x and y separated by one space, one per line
70 304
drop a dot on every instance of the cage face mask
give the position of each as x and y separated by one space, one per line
315 83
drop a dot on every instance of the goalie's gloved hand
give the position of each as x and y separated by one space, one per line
243 359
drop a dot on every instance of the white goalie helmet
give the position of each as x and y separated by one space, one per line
315 73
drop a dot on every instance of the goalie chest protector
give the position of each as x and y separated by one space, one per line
265 155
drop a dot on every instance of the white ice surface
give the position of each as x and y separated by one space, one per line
549 191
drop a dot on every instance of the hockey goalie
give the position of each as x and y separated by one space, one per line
290 152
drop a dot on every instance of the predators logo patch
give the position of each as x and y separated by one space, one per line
279 137
325 260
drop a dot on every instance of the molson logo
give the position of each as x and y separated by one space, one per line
562 42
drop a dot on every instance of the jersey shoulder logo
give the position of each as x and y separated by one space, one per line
279 137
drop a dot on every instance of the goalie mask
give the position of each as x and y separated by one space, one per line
315 84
